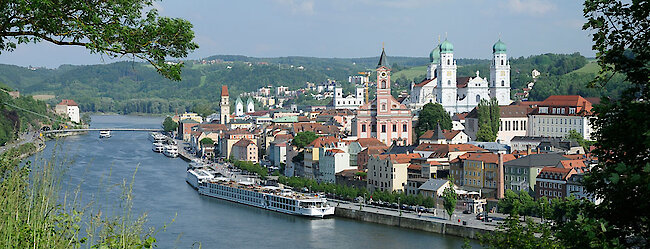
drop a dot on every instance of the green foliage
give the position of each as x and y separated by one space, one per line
251 167
207 141
430 116
20 115
112 28
169 125
488 120
303 139
449 198
512 234
519 204
32 216
575 136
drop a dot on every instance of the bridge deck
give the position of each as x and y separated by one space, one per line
101 129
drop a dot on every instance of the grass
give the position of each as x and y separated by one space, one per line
33 216
591 67
411 73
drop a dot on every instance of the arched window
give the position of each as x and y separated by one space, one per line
503 83
449 82
478 98
383 84
448 62
501 62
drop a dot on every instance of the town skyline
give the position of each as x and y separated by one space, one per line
321 29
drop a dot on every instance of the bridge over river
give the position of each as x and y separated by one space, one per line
100 129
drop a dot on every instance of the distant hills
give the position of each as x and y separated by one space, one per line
127 87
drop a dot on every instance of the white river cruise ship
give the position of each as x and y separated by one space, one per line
268 197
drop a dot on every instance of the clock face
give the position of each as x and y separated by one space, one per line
503 73
448 73
383 74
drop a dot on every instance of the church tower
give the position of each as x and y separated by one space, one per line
239 107
434 59
500 74
250 105
447 89
383 85
224 112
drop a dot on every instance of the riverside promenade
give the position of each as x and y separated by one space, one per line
471 227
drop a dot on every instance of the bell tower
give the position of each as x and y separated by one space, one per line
500 74
224 112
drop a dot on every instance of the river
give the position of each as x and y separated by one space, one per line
96 166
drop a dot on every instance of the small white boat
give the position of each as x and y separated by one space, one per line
158 147
156 137
170 150
104 134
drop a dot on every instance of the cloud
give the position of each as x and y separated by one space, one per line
532 7
299 6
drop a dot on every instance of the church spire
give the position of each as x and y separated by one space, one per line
382 59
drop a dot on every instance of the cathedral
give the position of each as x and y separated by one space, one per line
461 94
384 117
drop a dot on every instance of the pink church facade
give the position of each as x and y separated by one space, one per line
384 117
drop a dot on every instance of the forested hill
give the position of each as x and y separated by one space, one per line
127 87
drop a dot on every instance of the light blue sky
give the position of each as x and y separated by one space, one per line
356 28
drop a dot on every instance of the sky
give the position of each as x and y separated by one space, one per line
355 28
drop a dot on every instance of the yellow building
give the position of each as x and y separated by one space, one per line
480 171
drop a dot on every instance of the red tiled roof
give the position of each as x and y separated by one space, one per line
459 116
461 82
321 141
415 167
488 157
68 102
564 173
336 151
213 127
424 82
243 143
570 164
370 142
239 131
399 158
224 91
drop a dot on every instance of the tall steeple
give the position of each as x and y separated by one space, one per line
224 110
383 62
500 74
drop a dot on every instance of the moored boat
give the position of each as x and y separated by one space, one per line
158 147
104 134
170 150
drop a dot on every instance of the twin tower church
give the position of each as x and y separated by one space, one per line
461 94
390 121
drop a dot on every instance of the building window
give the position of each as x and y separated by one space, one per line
383 128
449 82
374 128
502 62
363 128
383 84
383 107
394 128
448 62
503 82
478 98
404 128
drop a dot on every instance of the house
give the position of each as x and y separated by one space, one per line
388 172
351 178
521 174
244 150
188 115
575 188
434 188
312 154
185 128
480 171
444 153
440 136
229 138
355 147
278 149
552 182
364 156
513 122
332 161
458 121
557 115
68 108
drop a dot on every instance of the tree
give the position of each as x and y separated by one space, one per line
169 125
207 141
512 234
575 136
303 139
109 27
449 199
622 176
488 120
431 115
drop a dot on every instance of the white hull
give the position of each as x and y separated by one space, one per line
157 147
171 151
315 207
104 134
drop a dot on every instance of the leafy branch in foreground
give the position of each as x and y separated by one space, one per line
111 27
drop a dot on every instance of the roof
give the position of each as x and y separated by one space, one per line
335 151
488 157
446 134
424 82
499 47
317 128
282 137
506 111
370 142
548 172
239 131
348 172
213 127
321 141
446 47
461 82
286 119
399 158
374 150
188 121
68 102
582 105
243 143
433 184
224 91
459 116
537 160
572 164
383 62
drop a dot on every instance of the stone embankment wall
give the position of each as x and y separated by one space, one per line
419 224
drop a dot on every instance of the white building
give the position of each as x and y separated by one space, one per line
557 115
69 108
239 107
281 90
352 101
250 105
333 161
461 94
513 122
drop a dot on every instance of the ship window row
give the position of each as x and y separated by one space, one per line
238 191
283 206
283 200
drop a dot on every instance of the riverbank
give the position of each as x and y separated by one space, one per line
458 226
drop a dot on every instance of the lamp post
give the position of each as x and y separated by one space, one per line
399 205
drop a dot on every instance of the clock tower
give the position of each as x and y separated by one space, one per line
447 88
500 74
383 85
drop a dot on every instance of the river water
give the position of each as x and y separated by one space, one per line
98 166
